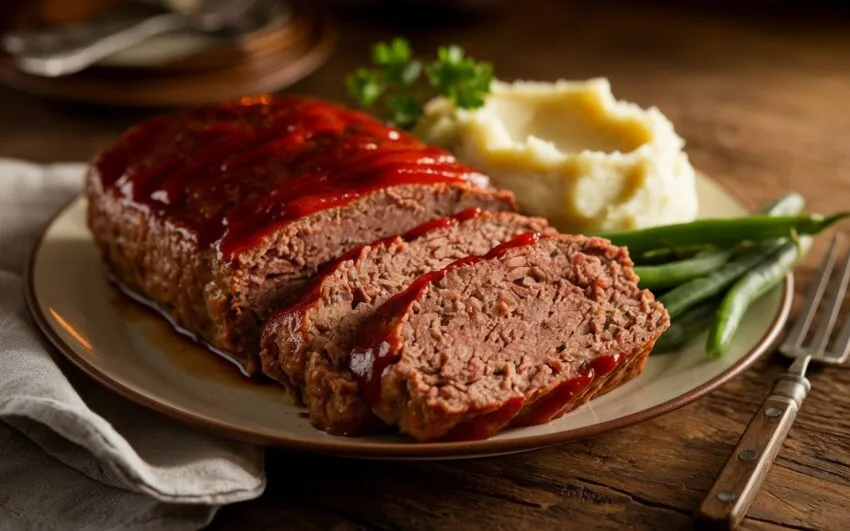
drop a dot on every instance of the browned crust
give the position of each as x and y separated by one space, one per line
160 262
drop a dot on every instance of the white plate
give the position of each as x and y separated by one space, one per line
134 352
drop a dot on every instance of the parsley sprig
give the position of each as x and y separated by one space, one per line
396 81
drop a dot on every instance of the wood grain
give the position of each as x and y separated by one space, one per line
763 100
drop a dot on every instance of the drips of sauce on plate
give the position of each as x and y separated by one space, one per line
183 348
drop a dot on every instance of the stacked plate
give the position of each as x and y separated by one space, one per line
264 46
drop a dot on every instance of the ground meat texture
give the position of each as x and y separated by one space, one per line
218 215
306 346
539 326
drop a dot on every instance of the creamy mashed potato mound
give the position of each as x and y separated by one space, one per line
572 153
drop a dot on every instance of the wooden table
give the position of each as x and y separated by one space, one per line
764 107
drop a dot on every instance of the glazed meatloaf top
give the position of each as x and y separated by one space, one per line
230 174
482 343
306 346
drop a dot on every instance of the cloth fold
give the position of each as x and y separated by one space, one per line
74 455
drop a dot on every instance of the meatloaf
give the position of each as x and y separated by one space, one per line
306 346
518 337
217 215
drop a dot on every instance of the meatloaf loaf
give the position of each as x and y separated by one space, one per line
538 326
306 346
219 214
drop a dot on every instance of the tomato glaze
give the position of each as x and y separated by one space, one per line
232 172
560 399
515 412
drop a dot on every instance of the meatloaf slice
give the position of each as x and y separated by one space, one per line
538 326
306 346
217 215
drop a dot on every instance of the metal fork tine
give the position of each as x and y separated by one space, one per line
797 333
832 309
842 344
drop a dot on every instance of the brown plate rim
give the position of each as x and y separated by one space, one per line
412 450
320 47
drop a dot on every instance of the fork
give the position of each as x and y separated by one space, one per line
69 50
738 483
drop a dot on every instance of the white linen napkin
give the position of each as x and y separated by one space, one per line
78 457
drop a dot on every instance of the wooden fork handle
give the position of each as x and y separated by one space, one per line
738 483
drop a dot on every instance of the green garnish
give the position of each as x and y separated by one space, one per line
396 81
460 79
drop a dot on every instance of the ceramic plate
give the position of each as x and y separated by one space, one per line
134 352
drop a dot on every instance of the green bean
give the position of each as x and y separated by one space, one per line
668 254
672 273
750 288
675 273
689 324
691 293
722 232
787 205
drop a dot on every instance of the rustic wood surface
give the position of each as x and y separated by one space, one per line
763 100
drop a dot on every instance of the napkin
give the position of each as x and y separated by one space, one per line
73 455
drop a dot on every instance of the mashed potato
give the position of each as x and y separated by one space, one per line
572 153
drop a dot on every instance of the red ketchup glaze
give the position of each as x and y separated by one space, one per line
232 172
441 223
486 425
378 347
602 365
560 399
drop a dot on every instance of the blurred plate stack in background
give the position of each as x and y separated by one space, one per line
183 52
